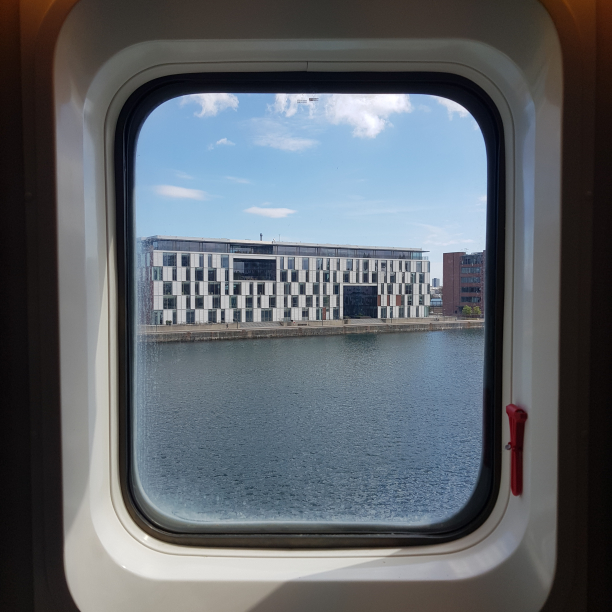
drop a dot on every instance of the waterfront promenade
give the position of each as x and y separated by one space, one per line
241 331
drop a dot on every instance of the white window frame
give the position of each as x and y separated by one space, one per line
111 564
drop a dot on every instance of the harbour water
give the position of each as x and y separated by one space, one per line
371 428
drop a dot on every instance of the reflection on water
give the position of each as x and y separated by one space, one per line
360 428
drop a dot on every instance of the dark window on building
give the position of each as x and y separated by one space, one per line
174 274
199 302
326 277
421 300
470 270
309 301
383 312
210 261
294 301
248 315
201 261
421 278
251 289
307 276
319 264
285 301
174 317
374 277
287 314
167 288
266 315
223 316
392 278
294 276
281 263
304 314
225 261
283 276
413 277
366 277
216 301
349 264
336 312
212 275
237 316
304 263
302 288
214 288
326 301
470 299
287 289
237 289
272 301
188 274
346 277
258 301
233 301
226 289
249 301
169 303
212 316
389 288
419 266
366 265
190 317
336 289
290 263
255 269
261 289
188 302
469 279
470 290
409 300
185 261
169 259
158 273
199 274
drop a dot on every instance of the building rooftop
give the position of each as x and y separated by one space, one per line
281 243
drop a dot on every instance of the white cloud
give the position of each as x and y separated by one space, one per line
171 191
236 179
273 213
225 141
211 103
284 142
183 175
367 113
443 236
452 107
287 104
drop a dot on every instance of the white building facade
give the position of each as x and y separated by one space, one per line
199 281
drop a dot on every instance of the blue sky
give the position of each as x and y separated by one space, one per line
378 170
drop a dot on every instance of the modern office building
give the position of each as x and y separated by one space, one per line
464 277
200 280
435 282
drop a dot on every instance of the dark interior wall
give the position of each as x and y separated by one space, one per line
16 567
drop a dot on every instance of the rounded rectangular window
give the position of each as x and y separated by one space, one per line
370 416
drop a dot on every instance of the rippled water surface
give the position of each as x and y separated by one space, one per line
363 429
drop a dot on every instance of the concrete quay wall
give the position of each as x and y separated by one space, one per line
189 334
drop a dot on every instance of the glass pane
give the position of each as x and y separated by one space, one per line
295 432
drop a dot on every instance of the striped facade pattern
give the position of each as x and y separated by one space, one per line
204 287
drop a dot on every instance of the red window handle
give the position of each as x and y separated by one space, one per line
517 418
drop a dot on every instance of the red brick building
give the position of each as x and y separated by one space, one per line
463 285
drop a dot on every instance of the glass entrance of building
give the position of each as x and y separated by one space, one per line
359 301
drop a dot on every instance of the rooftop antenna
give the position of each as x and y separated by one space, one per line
260 237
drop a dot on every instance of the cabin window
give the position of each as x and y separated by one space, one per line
319 440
